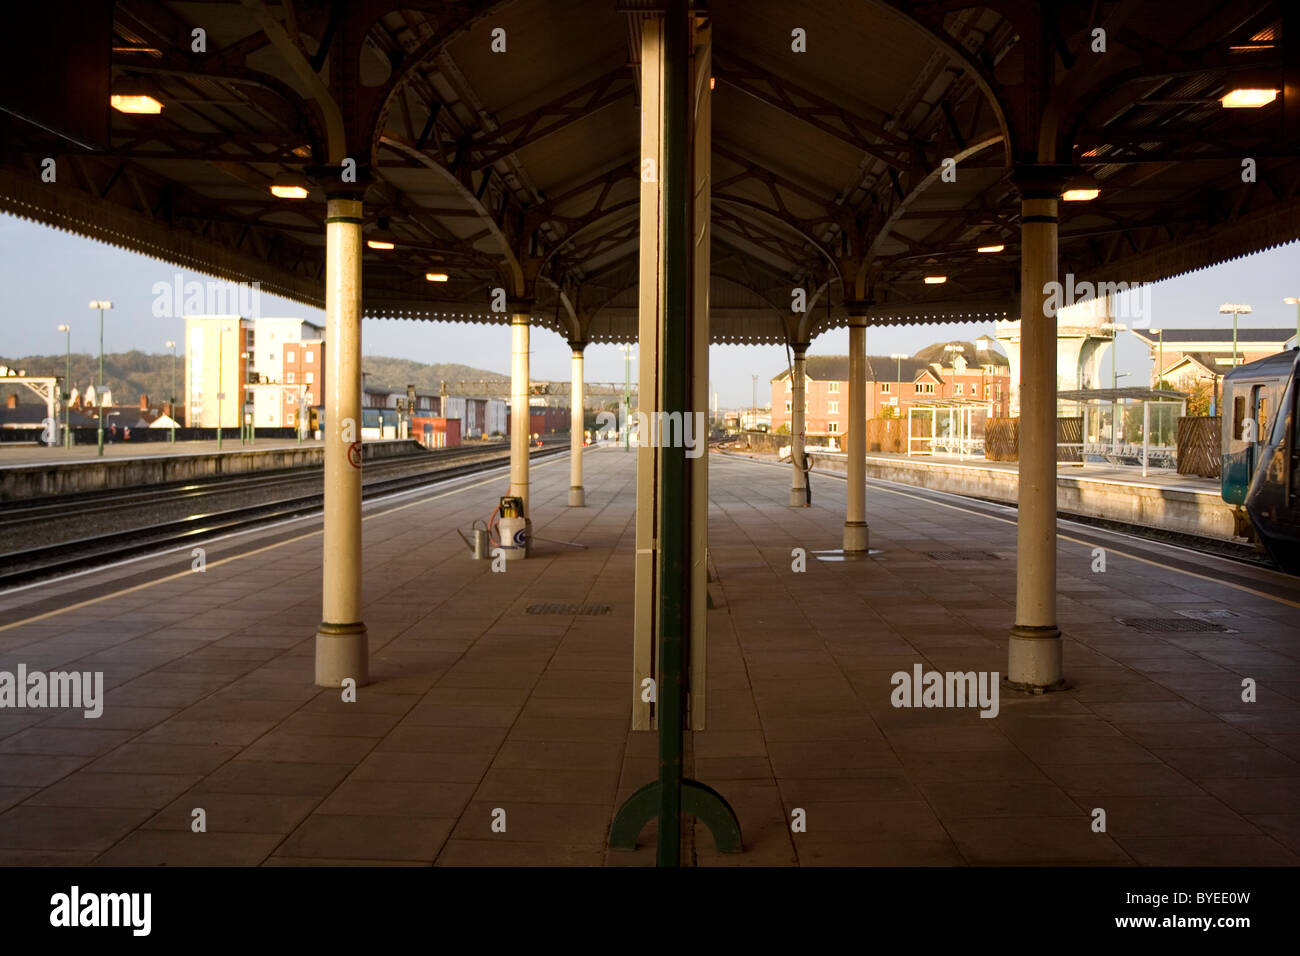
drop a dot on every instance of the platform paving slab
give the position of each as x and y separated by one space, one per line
477 706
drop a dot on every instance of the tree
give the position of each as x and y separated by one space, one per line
1199 397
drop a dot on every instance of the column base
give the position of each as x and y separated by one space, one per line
857 536
798 498
342 651
577 497
1034 660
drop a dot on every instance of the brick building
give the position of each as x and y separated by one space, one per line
978 373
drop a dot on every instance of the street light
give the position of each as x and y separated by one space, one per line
1236 309
627 395
1115 328
67 389
101 305
1160 356
898 381
171 403
221 395
952 350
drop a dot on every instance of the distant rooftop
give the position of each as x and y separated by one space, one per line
1224 335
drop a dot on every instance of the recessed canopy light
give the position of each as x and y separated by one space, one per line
1080 195
436 276
935 280
1237 99
135 103
995 248
289 186
379 244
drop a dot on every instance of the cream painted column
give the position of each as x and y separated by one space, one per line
577 426
520 417
649 306
856 534
1034 651
798 428
341 643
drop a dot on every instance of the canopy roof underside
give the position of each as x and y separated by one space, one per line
826 165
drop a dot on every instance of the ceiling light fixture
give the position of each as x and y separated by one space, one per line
289 186
134 103
1246 99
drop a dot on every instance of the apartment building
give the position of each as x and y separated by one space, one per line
976 373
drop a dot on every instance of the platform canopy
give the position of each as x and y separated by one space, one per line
498 145
1130 394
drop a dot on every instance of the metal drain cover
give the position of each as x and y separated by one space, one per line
581 610
1164 625
962 555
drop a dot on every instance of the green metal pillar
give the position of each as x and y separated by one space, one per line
671 795
674 522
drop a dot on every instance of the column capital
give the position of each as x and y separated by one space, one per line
799 349
344 209
858 310
577 345
1042 180
520 309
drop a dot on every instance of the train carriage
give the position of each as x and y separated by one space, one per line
1261 452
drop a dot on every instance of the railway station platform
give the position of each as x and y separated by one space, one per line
37 471
1161 499
505 697
27 453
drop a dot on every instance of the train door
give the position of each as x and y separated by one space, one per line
1259 408
1239 441
1274 500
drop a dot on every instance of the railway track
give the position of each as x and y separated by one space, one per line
34 564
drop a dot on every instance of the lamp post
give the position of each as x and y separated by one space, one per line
67 388
898 379
221 395
627 396
101 305
1292 300
171 439
1115 329
1160 356
1236 309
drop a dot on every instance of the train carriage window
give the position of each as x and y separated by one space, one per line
1238 416
1261 418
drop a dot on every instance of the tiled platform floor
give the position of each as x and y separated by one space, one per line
477 705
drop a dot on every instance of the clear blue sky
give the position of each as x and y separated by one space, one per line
47 277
